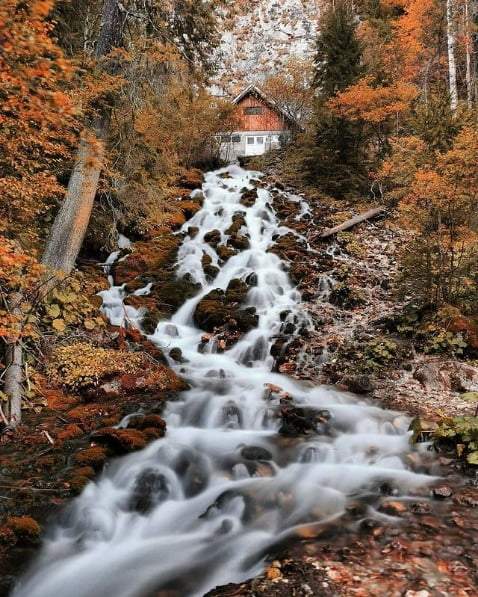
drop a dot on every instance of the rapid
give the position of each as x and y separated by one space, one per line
224 486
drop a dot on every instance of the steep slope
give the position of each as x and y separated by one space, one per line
261 36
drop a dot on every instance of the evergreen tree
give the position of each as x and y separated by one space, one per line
338 54
335 160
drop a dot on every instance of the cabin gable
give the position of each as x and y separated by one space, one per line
254 114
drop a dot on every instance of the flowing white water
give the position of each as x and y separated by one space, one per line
203 506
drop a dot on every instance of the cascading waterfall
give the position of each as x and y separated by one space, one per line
204 505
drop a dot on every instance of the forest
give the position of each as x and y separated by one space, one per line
247 379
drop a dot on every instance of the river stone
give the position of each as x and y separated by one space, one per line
255 453
248 198
239 242
150 489
213 238
238 221
225 252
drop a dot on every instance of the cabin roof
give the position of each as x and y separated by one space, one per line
255 91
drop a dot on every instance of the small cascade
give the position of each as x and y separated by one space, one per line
203 506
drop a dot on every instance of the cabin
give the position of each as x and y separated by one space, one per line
262 125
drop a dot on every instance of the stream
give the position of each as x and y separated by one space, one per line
224 486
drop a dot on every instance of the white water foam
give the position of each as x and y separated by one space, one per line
223 486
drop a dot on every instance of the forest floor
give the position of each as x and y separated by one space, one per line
347 287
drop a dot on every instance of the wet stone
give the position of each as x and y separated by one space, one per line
150 489
177 355
224 252
256 453
442 492
213 238
249 198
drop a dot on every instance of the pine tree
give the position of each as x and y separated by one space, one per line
338 54
335 159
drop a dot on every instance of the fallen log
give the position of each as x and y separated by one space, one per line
353 221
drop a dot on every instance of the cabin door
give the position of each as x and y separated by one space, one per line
255 144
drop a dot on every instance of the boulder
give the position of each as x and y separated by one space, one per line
255 453
225 252
358 384
213 238
448 375
249 198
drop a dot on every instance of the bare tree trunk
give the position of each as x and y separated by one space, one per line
451 42
13 381
71 222
469 49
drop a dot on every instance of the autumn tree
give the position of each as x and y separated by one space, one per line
292 89
437 195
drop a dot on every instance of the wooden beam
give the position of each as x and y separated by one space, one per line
353 221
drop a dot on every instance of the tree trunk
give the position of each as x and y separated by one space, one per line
13 381
469 49
371 213
451 42
71 222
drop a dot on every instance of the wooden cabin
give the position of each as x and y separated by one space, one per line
263 125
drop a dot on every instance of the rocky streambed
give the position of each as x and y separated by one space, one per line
258 455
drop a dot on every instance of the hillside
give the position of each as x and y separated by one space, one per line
260 37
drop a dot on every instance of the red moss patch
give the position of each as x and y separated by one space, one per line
120 441
70 432
94 457
23 527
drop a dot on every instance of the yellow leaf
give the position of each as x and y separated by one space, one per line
89 324
59 325
53 310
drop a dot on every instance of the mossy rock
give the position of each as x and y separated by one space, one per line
249 198
213 238
238 221
246 319
225 252
211 311
236 291
174 293
120 441
94 456
239 242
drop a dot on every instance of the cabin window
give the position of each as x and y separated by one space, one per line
236 138
250 140
226 138
260 140
253 110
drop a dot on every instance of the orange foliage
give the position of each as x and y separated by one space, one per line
36 116
371 104
437 200
19 279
